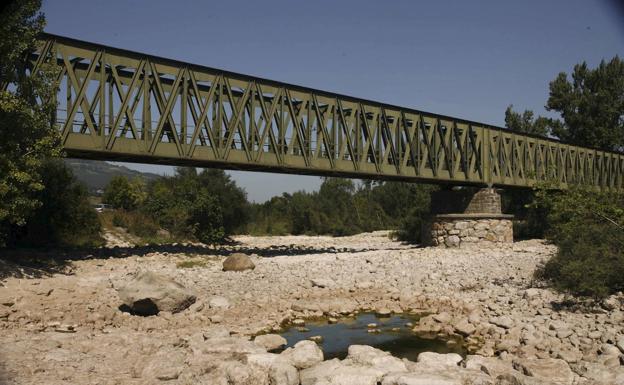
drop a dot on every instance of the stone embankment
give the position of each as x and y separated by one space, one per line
68 328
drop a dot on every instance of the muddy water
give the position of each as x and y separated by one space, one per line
393 336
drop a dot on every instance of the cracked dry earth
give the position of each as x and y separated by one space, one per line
66 327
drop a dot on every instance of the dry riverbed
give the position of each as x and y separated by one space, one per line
62 324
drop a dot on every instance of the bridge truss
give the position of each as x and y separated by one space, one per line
115 104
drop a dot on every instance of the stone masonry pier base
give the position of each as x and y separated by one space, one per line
479 223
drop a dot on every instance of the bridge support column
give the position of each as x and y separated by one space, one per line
464 218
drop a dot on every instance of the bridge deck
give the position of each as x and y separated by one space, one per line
120 105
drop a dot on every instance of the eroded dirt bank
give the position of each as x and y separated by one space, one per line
67 327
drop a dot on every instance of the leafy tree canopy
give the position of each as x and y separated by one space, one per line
526 122
591 105
26 115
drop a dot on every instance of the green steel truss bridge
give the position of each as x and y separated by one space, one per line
115 104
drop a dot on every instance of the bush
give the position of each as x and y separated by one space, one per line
207 206
135 222
124 194
416 207
206 220
587 226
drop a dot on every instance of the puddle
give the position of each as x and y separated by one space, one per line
393 337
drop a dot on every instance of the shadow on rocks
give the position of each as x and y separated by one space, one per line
4 378
38 263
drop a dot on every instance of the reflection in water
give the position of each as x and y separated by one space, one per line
394 337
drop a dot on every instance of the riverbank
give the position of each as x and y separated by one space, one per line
67 327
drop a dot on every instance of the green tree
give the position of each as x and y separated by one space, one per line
591 105
27 107
124 194
65 217
526 122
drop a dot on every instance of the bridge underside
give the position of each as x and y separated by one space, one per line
120 105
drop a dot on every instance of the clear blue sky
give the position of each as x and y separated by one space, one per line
469 59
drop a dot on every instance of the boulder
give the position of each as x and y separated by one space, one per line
315 374
238 262
609 350
437 360
221 303
452 241
378 359
270 341
504 322
229 345
167 364
550 370
304 354
239 373
280 371
335 372
491 366
611 303
620 344
464 327
420 379
149 293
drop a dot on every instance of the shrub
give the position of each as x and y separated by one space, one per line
207 206
122 193
587 226
119 220
135 222
206 220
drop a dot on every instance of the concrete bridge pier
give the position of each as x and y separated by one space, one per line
463 217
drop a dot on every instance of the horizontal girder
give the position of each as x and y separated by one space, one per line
115 104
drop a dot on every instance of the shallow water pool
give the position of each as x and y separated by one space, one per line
393 336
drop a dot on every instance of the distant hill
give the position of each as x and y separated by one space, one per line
96 174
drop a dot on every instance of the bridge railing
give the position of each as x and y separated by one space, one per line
122 105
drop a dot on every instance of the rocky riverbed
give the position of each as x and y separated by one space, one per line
62 324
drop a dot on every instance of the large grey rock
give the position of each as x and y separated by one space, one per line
611 303
437 360
238 262
149 293
315 374
452 241
498 369
464 327
620 344
420 379
238 373
304 354
280 371
220 303
167 364
368 356
270 341
335 372
609 350
550 370
229 345
504 322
